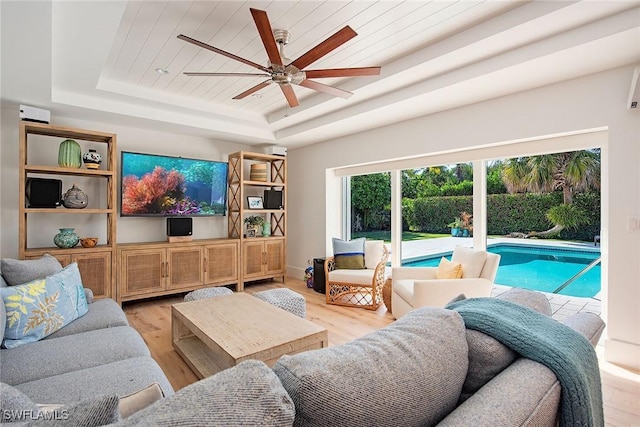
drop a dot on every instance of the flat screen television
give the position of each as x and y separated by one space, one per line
157 185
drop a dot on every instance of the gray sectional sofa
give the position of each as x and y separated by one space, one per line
97 354
425 369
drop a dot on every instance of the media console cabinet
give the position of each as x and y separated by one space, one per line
162 268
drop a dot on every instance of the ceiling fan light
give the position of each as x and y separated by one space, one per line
282 37
281 77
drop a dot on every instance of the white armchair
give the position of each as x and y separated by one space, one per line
415 287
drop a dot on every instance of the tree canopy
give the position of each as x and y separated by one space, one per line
570 173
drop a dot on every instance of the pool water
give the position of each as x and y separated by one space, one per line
539 268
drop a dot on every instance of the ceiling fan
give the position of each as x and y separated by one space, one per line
282 70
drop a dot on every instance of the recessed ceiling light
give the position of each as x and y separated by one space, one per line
162 70
257 95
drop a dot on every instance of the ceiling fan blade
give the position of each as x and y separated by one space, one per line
333 42
292 99
226 74
310 84
222 52
266 34
342 72
253 89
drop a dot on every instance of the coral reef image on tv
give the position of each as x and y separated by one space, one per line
172 186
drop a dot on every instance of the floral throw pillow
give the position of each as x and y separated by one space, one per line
38 308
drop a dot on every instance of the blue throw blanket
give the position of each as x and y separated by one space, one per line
537 337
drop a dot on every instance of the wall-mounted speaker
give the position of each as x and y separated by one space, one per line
43 192
179 226
273 199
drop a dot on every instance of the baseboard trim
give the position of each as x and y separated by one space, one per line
622 353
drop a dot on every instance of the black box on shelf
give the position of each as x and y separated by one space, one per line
273 199
43 192
182 226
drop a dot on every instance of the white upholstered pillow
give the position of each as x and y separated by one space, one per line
373 250
472 261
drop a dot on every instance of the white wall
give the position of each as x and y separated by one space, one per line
592 102
42 228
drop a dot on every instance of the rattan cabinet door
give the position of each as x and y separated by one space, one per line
95 270
221 263
142 271
253 259
185 267
274 257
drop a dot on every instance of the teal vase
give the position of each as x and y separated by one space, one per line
266 229
66 238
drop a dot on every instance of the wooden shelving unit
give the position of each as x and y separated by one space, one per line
261 257
97 265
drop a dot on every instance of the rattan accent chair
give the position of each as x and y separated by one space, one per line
356 288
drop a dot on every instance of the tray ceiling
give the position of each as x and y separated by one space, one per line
434 55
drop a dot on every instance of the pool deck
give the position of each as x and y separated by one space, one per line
561 306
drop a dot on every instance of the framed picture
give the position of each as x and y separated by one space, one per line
254 202
251 232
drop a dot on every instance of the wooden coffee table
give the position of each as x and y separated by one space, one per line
217 333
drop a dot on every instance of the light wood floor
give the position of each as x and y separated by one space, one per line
152 318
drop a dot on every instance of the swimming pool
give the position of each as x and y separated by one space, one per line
538 268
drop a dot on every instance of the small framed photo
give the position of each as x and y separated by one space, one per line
254 202
251 232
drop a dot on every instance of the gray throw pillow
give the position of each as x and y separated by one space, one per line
248 394
457 298
589 325
487 356
395 376
88 293
532 299
17 272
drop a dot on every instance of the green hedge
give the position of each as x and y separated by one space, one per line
506 213
432 214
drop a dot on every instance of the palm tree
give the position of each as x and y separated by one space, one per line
570 172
